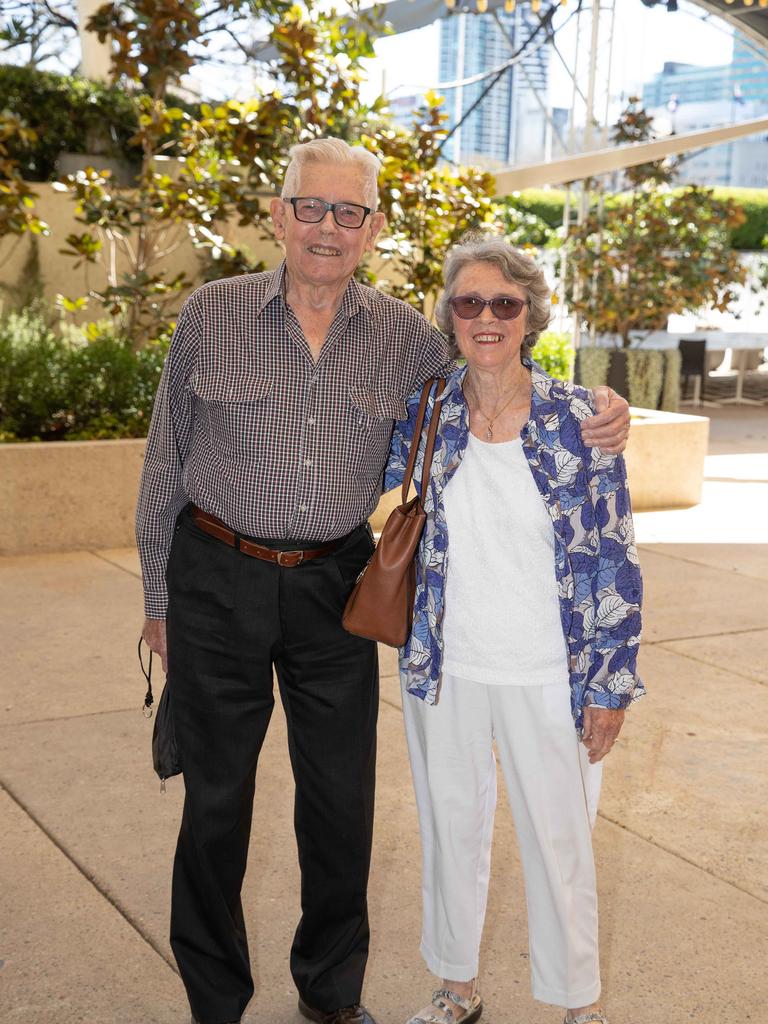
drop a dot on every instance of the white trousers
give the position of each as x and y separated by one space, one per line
553 793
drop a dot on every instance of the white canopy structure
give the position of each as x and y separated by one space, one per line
602 161
750 17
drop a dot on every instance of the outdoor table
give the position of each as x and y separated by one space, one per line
741 344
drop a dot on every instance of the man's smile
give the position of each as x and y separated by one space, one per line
323 250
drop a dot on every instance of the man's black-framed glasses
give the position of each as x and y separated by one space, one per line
309 210
503 307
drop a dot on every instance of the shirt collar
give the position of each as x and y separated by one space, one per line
453 384
274 288
354 299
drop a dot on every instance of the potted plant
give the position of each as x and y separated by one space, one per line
639 256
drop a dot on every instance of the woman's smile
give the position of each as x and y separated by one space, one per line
487 338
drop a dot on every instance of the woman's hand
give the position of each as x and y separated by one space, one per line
601 727
608 429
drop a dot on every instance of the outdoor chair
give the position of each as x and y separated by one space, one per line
755 386
721 383
693 367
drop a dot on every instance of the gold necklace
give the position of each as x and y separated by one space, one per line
497 411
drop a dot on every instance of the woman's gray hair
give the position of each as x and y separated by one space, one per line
516 266
333 151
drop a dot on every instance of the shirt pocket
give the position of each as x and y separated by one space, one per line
234 413
372 405
373 412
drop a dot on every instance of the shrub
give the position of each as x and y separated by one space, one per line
753 233
554 353
547 206
73 384
67 113
33 367
645 378
592 366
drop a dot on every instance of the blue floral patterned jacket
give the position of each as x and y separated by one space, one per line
585 492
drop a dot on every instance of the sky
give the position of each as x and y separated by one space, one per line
643 40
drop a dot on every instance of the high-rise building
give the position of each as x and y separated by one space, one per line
746 77
687 98
508 125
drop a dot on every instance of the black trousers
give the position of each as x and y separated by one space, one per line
230 619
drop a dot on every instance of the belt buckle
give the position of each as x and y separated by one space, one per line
290 564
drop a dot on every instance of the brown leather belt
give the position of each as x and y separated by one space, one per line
287 559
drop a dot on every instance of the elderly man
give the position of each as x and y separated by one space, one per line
264 461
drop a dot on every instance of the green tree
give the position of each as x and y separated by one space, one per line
231 152
653 251
17 200
37 31
429 206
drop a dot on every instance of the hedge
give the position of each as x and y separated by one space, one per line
544 203
69 114
73 384
753 233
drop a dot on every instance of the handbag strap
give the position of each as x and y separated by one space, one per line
416 439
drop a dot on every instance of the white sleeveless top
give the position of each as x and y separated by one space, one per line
502 616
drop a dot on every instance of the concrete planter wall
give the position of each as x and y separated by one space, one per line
665 459
68 495
80 495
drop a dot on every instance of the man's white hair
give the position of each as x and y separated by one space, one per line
333 151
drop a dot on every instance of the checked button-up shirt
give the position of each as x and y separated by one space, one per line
250 428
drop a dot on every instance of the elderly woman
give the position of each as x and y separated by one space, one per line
526 626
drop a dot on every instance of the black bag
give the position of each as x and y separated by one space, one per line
165 753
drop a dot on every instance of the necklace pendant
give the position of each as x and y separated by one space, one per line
489 433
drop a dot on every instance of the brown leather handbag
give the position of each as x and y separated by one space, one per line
381 605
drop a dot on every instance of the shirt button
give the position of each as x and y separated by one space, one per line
307 462
302 508
311 421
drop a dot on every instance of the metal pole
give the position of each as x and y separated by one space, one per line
563 258
545 108
576 323
460 44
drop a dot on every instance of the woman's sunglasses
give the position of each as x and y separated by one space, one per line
503 307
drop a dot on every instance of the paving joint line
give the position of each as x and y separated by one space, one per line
682 857
66 718
117 565
710 664
391 704
113 902
703 636
653 842
694 561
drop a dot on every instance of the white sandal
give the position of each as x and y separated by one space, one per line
441 999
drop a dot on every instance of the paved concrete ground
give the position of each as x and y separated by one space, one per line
682 846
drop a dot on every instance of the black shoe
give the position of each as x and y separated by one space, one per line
355 1014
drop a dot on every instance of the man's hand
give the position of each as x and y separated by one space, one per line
608 429
601 727
154 637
